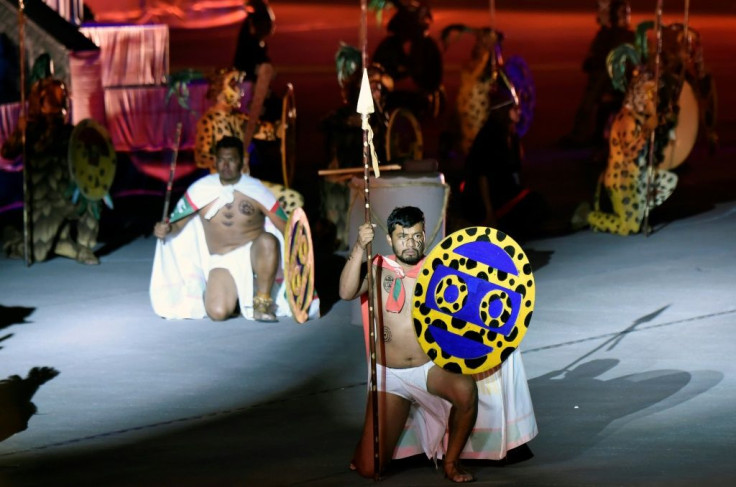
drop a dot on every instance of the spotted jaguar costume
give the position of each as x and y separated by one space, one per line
225 117
59 225
625 178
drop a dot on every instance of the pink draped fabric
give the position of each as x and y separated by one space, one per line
142 119
8 119
131 54
87 100
179 14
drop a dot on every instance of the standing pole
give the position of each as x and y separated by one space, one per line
27 217
492 7
365 108
686 21
172 172
652 136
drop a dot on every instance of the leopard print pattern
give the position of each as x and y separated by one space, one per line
473 300
289 199
225 118
625 177
474 91
213 126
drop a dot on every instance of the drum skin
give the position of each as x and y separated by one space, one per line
473 300
686 130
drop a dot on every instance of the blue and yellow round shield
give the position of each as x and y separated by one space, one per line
473 300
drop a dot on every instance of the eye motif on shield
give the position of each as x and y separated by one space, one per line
299 265
473 300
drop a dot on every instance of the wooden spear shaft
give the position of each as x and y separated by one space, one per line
372 344
371 311
172 172
652 136
27 217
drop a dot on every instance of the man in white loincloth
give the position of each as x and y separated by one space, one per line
242 225
422 407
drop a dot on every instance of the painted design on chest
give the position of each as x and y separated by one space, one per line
246 208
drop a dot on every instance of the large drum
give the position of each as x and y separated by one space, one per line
427 191
686 130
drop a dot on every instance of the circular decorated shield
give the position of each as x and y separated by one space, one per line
92 159
299 265
403 136
473 300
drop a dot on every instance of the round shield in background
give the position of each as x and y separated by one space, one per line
473 300
403 137
299 265
92 159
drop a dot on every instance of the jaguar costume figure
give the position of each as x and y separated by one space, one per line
476 85
624 180
225 117
59 225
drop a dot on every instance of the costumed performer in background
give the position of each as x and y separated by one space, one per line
424 408
494 193
59 225
343 136
624 181
600 99
412 59
260 103
226 230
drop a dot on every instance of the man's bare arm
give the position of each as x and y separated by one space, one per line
351 285
278 217
163 229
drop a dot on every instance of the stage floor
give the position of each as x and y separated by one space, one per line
629 359
629 356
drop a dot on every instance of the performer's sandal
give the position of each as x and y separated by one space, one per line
264 309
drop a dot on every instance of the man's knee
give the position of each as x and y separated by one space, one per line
465 394
266 244
218 311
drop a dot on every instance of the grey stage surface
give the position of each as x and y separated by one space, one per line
629 359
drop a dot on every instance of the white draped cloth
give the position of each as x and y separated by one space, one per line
182 262
505 419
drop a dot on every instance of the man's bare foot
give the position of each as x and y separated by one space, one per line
455 472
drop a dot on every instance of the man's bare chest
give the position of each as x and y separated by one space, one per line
241 212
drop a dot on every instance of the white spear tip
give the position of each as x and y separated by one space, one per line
365 99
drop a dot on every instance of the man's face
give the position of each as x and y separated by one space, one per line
229 165
408 243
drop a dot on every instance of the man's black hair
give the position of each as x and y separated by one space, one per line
406 216
230 142
613 11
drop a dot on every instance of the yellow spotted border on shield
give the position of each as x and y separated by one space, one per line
473 300
92 159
